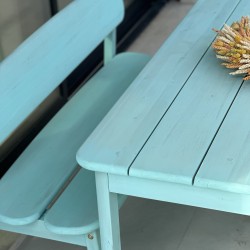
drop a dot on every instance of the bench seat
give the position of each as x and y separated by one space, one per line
65 216
49 160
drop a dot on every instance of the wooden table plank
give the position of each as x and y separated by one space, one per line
176 149
115 143
227 164
178 145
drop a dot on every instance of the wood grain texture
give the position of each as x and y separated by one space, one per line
117 140
179 143
34 179
108 214
177 147
227 164
180 194
46 58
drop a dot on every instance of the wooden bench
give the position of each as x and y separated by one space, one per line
30 189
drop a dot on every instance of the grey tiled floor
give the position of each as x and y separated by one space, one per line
154 225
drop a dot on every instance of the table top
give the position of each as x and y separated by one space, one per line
184 119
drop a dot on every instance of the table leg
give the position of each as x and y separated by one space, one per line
108 214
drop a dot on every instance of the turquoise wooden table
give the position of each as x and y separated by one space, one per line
181 131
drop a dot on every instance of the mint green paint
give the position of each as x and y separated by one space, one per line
142 106
180 133
28 190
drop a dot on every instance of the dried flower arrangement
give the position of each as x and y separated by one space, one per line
232 45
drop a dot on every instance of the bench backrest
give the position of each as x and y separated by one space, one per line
47 57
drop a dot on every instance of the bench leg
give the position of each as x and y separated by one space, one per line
108 214
109 46
93 241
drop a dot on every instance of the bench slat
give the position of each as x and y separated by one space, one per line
226 166
47 57
75 212
31 183
145 102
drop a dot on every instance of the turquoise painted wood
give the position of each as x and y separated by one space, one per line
180 194
176 148
226 166
38 229
130 123
49 56
93 241
75 212
50 159
33 197
72 214
174 120
108 214
110 46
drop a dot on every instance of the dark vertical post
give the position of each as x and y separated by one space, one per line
63 87
53 7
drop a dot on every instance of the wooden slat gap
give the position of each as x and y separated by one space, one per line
175 99
214 137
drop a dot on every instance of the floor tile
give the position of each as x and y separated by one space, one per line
161 27
213 230
7 239
33 243
149 225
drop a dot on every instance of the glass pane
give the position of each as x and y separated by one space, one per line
63 3
128 2
18 19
